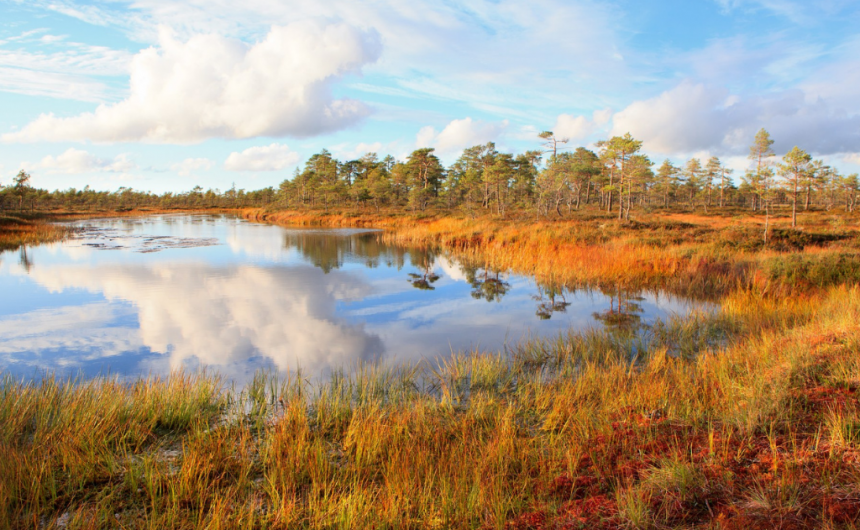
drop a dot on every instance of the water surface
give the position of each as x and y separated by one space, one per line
146 295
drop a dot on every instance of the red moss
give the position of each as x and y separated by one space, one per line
528 521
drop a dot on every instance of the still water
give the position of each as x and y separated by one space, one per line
147 295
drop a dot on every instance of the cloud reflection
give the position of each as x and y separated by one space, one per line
47 339
224 316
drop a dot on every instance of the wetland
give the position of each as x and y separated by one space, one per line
150 295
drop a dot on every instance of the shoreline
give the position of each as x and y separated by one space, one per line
563 434
694 256
746 417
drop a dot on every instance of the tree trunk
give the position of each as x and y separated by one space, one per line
794 206
609 193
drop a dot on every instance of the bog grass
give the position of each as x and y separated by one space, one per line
756 426
17 231
702 256
743 417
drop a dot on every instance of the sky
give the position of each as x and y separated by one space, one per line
165 95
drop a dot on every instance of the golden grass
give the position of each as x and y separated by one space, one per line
16 232
747 417
687 254
756 430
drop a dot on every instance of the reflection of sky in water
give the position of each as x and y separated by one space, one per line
150 294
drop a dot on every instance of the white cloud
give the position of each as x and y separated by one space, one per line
90 14
572 127
72 58
189 166
74 161
473 51
601 117
356 151
692 117
459 134
51 39
579 127
50 84
49 65
212 86
262 158
852 158
801 12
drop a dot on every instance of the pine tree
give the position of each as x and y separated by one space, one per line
794 168
760 151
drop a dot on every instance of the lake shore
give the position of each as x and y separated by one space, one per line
742 419
691 255
745 417
19 229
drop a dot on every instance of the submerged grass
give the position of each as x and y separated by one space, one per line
746 417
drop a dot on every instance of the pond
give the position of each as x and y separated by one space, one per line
145 295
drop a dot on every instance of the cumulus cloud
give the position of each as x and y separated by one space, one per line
189 166
262 158
211 86
697 117
74 161
459 134
354 152
579 127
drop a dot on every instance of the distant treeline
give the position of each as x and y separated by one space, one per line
552 181
24 197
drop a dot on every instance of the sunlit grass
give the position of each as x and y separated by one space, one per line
692 255
16 231
745 416
747 413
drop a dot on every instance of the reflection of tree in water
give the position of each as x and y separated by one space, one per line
550 300
424 260
486 285
24 259
624 313
329 251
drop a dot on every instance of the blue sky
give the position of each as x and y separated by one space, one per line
168 94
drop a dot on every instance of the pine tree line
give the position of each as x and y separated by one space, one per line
550 182
555 181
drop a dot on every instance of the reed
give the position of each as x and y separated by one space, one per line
742 417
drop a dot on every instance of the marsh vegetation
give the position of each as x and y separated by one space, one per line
744 416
